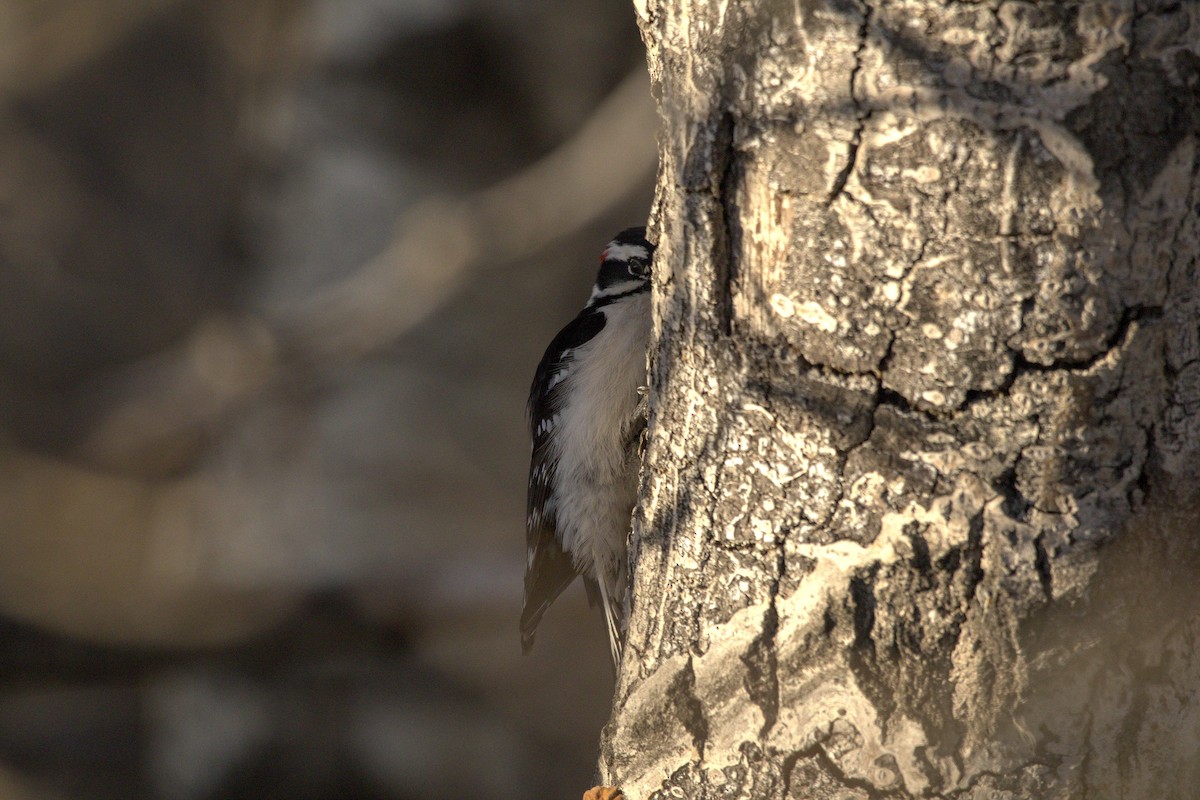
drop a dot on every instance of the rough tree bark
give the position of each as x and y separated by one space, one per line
920 491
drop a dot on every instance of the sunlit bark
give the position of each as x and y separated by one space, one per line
919 496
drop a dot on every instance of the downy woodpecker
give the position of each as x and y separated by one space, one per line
586 414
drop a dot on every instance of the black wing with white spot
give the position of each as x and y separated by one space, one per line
548 568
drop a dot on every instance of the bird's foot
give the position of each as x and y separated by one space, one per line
603 793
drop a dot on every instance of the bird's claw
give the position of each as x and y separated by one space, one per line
603 793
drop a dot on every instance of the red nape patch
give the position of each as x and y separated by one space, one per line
604 256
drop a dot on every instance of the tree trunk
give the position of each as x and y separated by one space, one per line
919 508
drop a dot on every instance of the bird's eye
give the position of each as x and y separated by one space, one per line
637 267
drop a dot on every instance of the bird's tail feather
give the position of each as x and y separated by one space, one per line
611 614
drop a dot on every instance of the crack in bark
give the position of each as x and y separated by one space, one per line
689 709
850 449
1115 341
891 397
975 781
839 183
1189 204
831 768
1041 562
762 681
725 165
861 114
1023 366
761 659
789 767
1143 479
1006 781
862 598
974 549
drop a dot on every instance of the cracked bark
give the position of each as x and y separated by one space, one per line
920 497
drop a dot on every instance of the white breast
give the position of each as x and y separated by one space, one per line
596 476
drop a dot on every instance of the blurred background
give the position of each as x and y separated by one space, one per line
274 277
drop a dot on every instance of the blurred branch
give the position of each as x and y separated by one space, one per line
43 40
154 407
440 245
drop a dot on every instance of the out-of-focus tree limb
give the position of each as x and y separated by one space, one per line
121 559
149 412
132 557
439 246
42 40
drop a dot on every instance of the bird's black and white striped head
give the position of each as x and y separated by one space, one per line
624 267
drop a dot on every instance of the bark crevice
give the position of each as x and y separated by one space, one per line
689 708
862 112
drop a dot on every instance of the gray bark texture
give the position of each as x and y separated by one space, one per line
919 511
